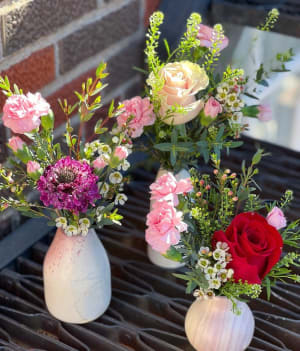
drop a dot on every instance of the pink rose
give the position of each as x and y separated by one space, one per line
212 108
16 143
265 113
21 113
164 226
121 152
167 188
33 167
182 81
206 34
99 163
276 218
142 112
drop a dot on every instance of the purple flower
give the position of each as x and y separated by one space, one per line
69 185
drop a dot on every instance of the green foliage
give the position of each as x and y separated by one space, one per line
270 21
189 39
153 35
212 56
236 291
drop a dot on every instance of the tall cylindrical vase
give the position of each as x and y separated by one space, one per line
77 278
154 256
211 325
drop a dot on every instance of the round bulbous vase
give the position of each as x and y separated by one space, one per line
211 325
77 278
154 256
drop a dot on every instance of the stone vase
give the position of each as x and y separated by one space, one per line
77 278
211 325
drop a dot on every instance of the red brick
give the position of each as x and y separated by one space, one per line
33 73
150 7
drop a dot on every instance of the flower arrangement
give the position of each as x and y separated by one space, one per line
230 240
192 110
78 189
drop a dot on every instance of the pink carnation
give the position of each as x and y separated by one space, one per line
121 152
33 167
206 35
164 226
212 108
142 112
99 163
21 113
167 188
276 218
16 143
265 113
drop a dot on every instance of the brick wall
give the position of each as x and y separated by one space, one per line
51 46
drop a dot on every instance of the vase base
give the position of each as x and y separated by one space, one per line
159 260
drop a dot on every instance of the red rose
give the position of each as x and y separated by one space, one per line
255 246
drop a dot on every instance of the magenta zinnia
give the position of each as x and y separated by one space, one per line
69 185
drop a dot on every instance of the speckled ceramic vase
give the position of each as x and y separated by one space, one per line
154 256
77 278
211 325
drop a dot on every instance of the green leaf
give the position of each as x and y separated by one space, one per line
48 121
98 129
100 68
259 73
173 254
173 155
235 144
167 47
163 146
257 156
111 108
182 276
250 111
220 133
251 96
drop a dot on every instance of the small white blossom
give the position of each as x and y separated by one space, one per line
221 96
115 177
114 131
222 275
104 149
230 272
121 199
214 283
224 87
210 271
222 245
84 231
115 140
204 250
125 165
103 188
219 254
71 230
203 263
231 98
61 222
84 222
198 293
209 293
220 265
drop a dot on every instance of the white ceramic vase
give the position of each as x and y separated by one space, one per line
211 325
77 278
154 256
